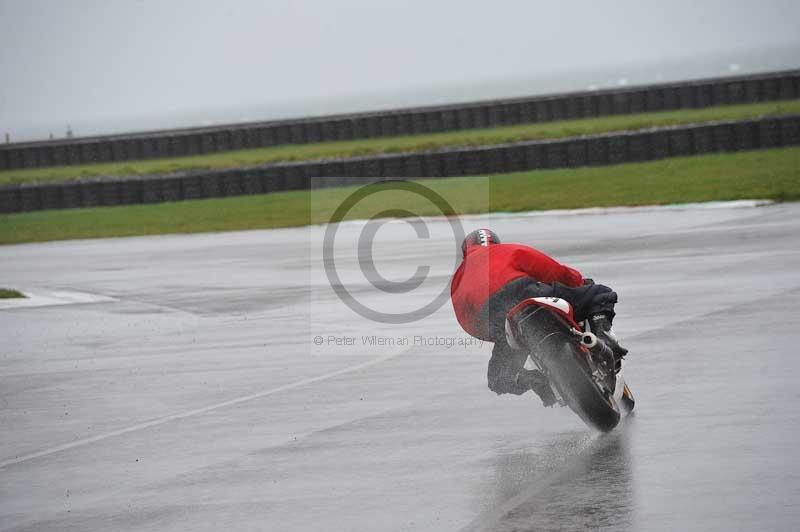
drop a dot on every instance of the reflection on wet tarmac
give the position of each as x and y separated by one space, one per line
535 493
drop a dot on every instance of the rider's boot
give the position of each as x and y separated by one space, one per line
601 327
538 382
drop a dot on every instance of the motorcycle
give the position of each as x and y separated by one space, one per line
583 371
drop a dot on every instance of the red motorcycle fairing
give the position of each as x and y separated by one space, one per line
558 309
559 306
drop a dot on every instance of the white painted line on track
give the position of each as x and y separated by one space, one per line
706 205
198 411
42 298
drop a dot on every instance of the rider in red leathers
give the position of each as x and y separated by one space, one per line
493 277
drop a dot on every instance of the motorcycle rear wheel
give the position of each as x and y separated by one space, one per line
571 374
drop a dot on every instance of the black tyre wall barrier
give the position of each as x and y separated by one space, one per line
193 141
595 150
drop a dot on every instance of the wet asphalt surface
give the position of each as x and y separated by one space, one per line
197 399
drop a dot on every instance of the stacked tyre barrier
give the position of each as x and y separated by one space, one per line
197 141
594 150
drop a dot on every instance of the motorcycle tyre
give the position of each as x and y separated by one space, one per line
569 371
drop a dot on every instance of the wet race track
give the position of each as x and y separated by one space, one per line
177 383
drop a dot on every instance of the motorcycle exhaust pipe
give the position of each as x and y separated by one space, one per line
588 339
595 345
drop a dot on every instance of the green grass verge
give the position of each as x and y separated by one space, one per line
6 293
475 137
768 174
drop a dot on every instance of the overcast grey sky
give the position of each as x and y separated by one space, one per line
112 65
